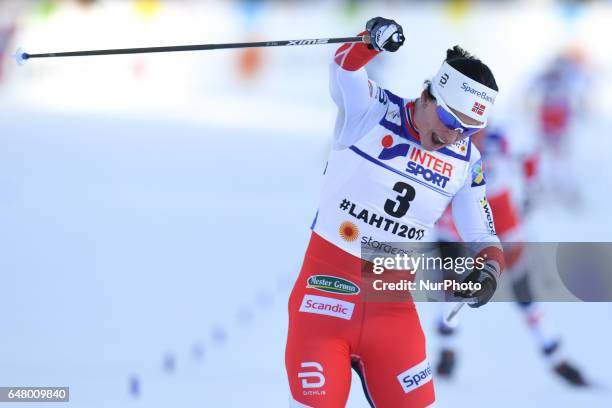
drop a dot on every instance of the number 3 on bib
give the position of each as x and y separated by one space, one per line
399 207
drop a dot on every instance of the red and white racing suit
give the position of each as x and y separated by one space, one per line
380 186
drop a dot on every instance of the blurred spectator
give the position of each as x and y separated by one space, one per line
557 101
6 34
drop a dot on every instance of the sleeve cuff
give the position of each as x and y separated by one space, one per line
353 56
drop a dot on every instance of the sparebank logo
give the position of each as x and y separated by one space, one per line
415 377
482 95
332 284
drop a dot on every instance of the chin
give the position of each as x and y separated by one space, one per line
429 146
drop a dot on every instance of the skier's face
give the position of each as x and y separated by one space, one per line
434 134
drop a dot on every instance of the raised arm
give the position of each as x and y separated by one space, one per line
361 103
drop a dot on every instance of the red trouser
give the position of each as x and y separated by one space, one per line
331 329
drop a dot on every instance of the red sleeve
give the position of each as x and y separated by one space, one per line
352 56
493 253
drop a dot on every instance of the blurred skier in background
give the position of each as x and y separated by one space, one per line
502 167
6 34
557 101
8 28
395 166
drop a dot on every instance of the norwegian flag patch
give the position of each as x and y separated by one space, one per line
478 108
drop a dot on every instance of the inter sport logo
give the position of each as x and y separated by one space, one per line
421 163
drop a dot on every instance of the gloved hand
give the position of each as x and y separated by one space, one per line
384 34
486 276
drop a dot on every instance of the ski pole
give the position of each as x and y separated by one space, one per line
451 315
22 56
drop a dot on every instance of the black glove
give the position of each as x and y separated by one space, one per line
486 276
384 34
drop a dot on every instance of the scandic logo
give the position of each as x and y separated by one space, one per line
327 306
332 284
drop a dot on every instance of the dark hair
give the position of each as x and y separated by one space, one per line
470 66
